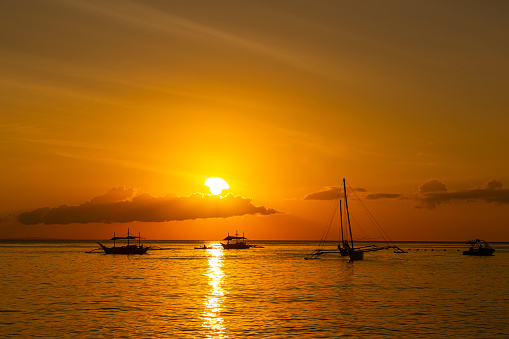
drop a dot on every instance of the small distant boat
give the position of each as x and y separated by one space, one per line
237 242
479 247
204 247
126 249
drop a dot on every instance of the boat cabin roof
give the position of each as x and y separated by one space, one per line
476 241
128 237
233 237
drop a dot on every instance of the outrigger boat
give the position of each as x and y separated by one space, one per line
126 249
347 247
204 247
239 243
479 247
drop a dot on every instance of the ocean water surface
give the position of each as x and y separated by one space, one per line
54 289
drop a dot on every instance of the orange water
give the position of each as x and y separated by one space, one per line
54 289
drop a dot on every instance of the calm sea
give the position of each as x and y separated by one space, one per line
54 289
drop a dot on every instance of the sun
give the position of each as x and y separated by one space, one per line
216 185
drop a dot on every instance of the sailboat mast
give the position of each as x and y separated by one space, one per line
347 213
128 236
341 218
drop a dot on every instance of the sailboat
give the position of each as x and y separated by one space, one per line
354 254
347 247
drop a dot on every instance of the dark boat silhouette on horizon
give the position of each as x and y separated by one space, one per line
236 242
205 247
479 247
126 249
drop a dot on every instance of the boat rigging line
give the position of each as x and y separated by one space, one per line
355 254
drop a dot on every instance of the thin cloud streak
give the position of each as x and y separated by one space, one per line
375 196
331 193
328 193
146 16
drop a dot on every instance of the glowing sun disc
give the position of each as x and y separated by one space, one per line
216 185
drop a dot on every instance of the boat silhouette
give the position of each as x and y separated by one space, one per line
347 247
125 249
236 242
479 247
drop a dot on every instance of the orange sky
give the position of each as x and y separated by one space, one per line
282 99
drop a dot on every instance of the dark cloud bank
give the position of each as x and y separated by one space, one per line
122 205
430 194
490 192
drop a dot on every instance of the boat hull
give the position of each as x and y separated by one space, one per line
355 255
342 251
130 249
480 252
236 246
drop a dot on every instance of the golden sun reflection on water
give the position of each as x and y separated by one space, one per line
212 320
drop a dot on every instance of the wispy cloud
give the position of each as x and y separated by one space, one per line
164 21
429 195
490 192
384 196
120 205
433 185
331 193
328 193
